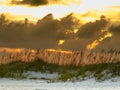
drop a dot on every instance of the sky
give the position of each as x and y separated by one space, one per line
59 8
63 24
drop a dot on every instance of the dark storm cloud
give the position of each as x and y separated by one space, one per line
44 34
110 43
41 2
115 29
114 42
30 2
92 29
54 28
48 31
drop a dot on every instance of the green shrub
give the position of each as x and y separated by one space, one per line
17 70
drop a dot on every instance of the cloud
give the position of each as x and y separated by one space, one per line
44 34
115 29
115 7
92 29
44 2
30 2
110 43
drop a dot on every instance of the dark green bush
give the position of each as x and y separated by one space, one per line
17 69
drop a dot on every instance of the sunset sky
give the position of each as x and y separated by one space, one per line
67 24
91 9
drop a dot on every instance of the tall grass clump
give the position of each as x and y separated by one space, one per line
59 57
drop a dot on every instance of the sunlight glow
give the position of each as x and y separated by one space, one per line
60 42
88 19
75 31
97 42
11 49
59 51
16 50
58 10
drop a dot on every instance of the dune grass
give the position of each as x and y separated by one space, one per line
100 72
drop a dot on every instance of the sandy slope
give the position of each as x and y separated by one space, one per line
91 84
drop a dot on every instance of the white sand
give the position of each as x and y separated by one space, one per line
91 84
